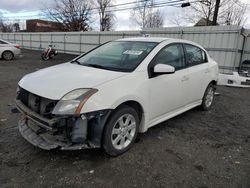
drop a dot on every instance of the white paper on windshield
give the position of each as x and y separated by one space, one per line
133 52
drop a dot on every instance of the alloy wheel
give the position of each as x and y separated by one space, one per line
7 55
209 97
123 131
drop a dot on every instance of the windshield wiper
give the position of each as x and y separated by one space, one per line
103 67
96 66
75 61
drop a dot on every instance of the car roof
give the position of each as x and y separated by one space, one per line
4 41
144 39
159 40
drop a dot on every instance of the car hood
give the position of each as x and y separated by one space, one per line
54 82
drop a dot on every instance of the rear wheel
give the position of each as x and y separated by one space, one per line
7 55
208 97
45 57
120 131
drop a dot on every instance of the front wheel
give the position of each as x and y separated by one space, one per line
208 97
120 131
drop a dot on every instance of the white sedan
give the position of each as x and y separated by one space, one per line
105 97
8 50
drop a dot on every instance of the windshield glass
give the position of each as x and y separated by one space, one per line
122 56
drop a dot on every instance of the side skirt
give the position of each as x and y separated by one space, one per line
173 114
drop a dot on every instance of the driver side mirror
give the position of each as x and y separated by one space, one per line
163 69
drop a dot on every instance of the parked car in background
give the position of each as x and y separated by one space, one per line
104 97
8 50
240 78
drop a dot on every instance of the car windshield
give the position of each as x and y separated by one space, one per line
122 56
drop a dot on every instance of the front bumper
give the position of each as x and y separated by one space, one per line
58 132
17 52
46 141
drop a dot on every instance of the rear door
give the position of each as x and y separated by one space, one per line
198 72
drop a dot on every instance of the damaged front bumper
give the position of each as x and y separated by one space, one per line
63 132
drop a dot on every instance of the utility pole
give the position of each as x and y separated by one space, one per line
216 11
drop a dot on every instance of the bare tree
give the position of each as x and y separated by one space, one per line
4 26
74 15
234 15
106 16
154 19
145 16
177 18
16 27
215 11
109 22
1 21
203 9
139 13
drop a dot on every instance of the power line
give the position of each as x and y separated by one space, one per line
159 4
114 9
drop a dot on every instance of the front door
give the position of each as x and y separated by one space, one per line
167 91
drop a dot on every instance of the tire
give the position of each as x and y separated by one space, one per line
7 55
119 136
44 57
208 98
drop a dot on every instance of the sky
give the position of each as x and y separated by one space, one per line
26 9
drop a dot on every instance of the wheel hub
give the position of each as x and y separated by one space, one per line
123 131
209 97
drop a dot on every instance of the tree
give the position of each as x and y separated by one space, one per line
202 9
106 17
216 11
145 16
234 15
154 19
5 27
177 18
1 21
74 15
16 27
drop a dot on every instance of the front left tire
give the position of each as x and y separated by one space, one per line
120 131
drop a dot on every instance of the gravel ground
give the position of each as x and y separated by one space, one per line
195 149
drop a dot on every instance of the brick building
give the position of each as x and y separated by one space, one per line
37 25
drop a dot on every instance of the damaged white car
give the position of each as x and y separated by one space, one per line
105 97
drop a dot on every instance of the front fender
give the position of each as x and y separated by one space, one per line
98 102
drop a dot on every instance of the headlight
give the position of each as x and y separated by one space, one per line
72 102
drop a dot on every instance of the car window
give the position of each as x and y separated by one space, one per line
194 55
171 55
2 42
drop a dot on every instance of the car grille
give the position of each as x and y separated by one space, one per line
38 104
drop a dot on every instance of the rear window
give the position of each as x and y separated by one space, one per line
3 42
194 55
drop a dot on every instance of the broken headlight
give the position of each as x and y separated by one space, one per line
72 102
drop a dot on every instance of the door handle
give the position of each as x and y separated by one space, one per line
184 78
